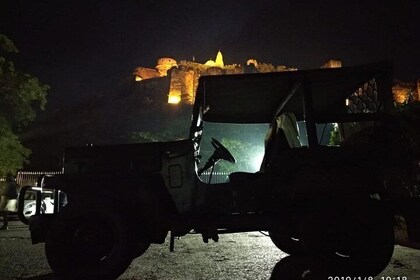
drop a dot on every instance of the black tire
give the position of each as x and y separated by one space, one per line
286 241
139 248
3 221
300 267
86 242
356 241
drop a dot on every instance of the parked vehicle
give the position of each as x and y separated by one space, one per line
330 188
47 203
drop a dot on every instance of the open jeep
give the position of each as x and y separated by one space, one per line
328 184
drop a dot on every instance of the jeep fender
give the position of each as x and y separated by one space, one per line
143 197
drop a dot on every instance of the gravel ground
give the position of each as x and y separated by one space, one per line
235 257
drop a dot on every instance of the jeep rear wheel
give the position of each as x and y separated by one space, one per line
357 242
89 243
286 241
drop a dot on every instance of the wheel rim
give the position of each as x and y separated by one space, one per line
286 241
92 241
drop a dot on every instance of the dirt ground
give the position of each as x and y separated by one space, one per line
235 257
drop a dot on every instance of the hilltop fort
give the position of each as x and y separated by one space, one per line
176 82
183 76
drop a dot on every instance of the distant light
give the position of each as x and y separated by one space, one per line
174 99
347 102
174 96
257 159
138 78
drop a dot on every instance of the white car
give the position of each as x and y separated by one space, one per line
47 203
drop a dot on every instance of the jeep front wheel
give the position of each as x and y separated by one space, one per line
89 243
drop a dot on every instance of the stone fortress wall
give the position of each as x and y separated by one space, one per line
183 76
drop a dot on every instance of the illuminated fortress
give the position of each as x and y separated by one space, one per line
183 76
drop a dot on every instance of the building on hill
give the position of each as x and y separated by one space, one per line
183 77
332 64
184 74
161 69
406 92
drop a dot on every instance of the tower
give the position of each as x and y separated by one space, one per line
219 60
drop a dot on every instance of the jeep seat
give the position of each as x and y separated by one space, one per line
282 135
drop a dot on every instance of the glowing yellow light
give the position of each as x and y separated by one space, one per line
401 94
219 60
174 99
138 78
210 63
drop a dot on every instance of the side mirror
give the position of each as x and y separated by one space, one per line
25 208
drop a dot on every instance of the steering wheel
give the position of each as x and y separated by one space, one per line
221 152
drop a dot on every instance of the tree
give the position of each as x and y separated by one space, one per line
248 156
21 95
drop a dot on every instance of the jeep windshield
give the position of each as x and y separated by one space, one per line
244 141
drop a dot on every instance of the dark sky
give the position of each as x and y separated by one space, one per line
82 47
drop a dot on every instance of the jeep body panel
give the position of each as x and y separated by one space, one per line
118 171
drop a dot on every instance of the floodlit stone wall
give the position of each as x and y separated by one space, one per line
184 75
406 92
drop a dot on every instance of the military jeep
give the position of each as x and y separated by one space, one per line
324 186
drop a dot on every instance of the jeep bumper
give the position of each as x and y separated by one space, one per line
39 226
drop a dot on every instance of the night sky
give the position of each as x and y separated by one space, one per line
85 47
